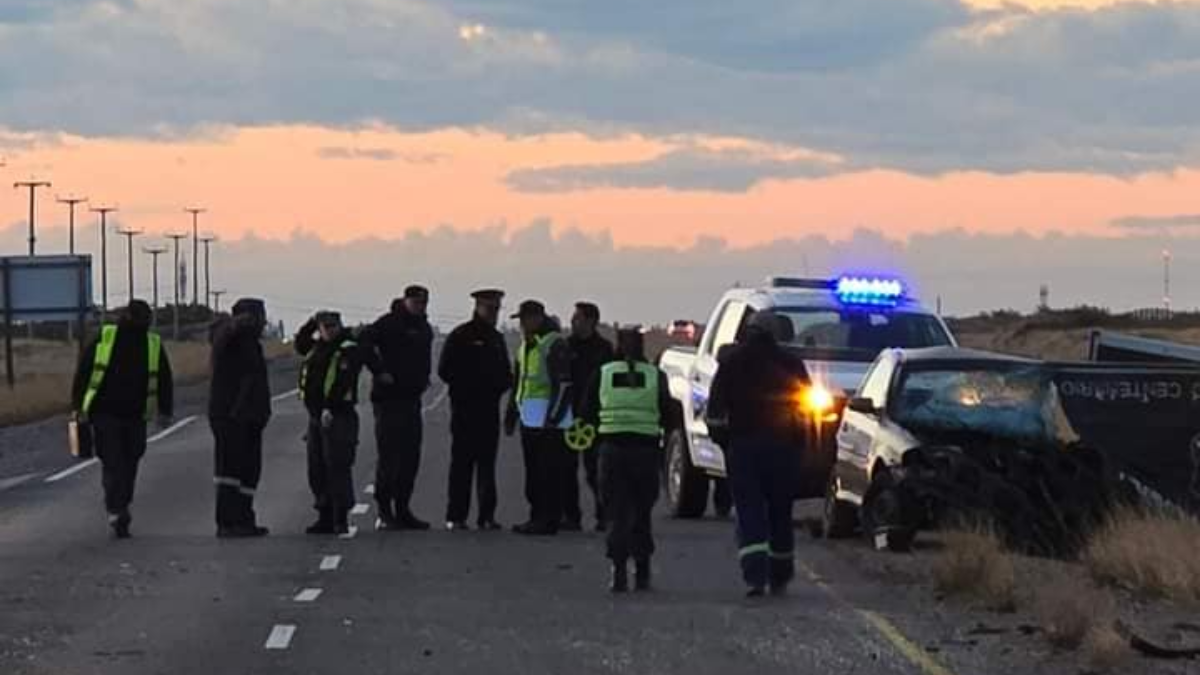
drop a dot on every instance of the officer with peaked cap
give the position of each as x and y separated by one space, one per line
475 367
239 407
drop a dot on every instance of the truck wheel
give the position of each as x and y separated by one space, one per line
883 516
687 487
839 519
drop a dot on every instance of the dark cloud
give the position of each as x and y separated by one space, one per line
731 170
1176 222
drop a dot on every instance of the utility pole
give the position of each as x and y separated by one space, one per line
176 238
1166 257
154 252
71 203
195 211
129 235
207 241
33 186
104 211
217 301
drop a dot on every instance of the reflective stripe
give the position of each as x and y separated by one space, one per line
754 549
104 350
630 409
234 483
535 372
331 373
783 556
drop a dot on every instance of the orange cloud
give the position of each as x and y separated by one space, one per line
379 182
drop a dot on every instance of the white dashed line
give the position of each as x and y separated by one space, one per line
171 429
285 395
281 636
308 595
10 483
360 509
370 489
437 400
330 563
351 534
66 473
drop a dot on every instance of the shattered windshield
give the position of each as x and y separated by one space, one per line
1010 401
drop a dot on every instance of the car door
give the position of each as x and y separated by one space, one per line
859 430
705 453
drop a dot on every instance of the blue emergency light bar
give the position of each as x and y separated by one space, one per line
869 291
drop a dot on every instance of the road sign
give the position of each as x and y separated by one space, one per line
43 288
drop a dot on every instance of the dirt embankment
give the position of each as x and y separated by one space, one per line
1057 344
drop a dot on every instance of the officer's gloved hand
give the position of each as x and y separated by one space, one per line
326 419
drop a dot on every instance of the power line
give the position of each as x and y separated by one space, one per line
129 235
207 241
154 252
175 239
195 211
33 186
71 203
104 211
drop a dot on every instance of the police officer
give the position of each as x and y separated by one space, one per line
628 400
541 405
239 407
589 351
403 340
475 367
751 415
329 389
122 381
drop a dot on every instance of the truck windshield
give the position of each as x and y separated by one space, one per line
859 334
1010 401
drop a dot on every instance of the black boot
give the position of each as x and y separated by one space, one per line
641 580
324 524
620 577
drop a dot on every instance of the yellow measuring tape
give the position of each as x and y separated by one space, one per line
580 436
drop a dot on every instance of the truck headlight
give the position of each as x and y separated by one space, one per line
817 400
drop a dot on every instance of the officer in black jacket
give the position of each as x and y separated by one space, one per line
589 352
329 389
475 366
239 407
403 341
122 381
751 413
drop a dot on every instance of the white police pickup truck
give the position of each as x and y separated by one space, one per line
841 325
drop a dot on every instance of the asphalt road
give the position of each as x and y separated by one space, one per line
174 599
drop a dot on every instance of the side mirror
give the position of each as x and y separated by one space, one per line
862 405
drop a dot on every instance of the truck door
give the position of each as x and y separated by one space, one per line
724 331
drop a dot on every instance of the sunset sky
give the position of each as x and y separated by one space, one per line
647 124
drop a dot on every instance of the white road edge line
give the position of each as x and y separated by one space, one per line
437 400
17 481
284 395
360 509
308 595
71 471
281 636
330 563
370 489
172 429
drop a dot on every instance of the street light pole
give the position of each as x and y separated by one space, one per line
176 238
33 186
217 301
195 211
207 241
71 203
129 235
104 211
154 252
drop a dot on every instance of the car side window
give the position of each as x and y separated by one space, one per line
875 386
731 324
707 344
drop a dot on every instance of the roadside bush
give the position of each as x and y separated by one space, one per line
1071 611
1148 552
975 566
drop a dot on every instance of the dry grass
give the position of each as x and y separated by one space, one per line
1105 650
1057 344
975 565
1070 611
45 371
1148 553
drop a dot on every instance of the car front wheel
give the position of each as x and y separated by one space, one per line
687 486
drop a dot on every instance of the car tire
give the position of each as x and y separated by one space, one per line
687 486
839 518
883 515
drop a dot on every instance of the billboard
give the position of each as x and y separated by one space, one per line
45 288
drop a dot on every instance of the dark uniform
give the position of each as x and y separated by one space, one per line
628 402
404 342
752 415
540 400
239 407
122 380
474 365
329 388
587 356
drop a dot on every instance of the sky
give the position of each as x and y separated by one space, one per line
345 147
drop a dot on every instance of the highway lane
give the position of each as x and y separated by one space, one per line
174 599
